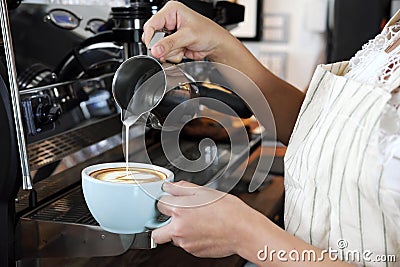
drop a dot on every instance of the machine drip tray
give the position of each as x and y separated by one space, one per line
69 209
64 227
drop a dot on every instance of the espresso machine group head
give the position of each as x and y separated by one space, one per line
129 22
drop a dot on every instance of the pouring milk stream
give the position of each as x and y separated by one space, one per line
146 97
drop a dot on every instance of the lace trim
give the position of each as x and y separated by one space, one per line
384 71
373 65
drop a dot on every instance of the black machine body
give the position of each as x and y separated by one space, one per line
66 57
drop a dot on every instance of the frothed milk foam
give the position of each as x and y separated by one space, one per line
130 175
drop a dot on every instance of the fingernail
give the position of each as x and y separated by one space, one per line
166 185
158 50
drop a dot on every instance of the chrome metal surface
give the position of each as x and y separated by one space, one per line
109 53
59 146
128 50
42 42
67 172
52 239
87 153
65 228
84 83
16 103
68 209
158 35
104 45
64 172
53 220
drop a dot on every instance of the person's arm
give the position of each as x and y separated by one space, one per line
209 223
268 245
197 37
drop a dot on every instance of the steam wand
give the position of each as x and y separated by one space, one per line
16 102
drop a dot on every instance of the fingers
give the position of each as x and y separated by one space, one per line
170 17
181 195
181 188
174 42
173 205
163 207
175 56
166 18
162 235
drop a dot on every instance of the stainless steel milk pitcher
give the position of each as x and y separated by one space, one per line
142 84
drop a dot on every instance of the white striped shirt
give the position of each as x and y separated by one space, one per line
336 180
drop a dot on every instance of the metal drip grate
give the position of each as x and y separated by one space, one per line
46 188
68 209
59 146
71 208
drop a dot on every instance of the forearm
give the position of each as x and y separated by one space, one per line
198 37
268 245
284 99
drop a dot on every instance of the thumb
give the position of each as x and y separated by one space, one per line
178 40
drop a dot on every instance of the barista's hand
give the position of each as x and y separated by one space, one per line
209 223
196 36
205 222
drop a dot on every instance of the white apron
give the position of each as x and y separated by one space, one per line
336 190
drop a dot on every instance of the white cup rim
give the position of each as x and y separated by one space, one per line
86 172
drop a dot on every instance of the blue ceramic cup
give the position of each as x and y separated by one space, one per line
124 207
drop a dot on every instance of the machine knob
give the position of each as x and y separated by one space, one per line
47 114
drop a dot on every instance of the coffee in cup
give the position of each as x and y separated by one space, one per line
123 200
128 175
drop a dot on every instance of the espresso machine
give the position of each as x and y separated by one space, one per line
57 116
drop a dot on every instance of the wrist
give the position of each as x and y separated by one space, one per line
249 231
255 236
227 46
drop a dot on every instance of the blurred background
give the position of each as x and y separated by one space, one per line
292 37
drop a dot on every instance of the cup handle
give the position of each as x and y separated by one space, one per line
154 223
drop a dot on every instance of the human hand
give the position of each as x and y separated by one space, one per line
196 36
205 222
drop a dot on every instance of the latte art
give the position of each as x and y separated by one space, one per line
129 176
